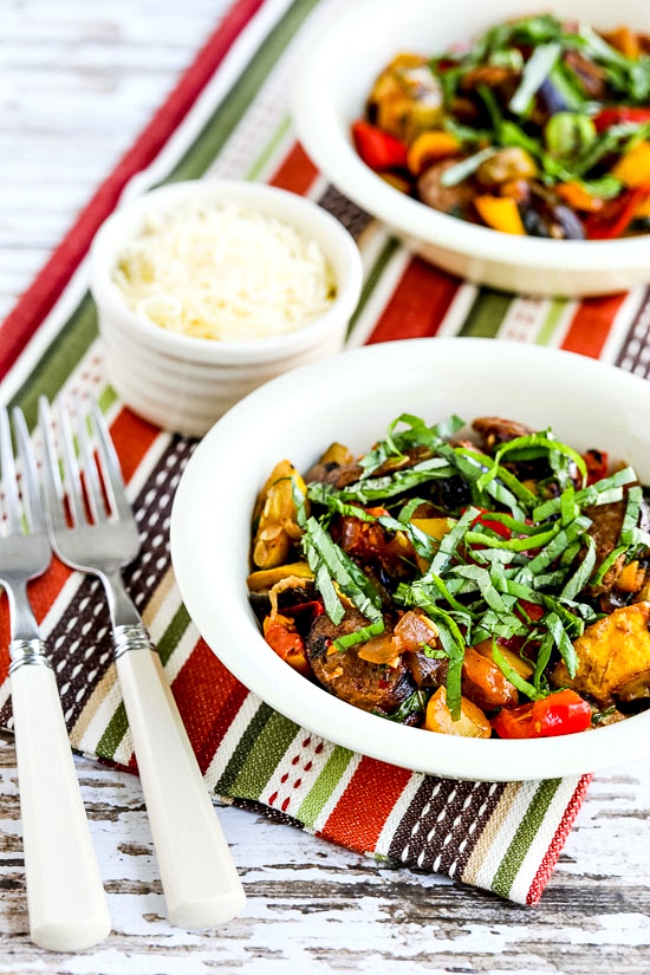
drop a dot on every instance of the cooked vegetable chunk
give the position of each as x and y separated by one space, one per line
613 657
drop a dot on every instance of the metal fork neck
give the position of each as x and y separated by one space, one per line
122 610
23 624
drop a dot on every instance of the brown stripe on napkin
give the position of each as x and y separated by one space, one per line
351 216
634 354
443 822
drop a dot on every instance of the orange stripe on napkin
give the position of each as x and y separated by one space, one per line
591 325
418 304
364 807
296 172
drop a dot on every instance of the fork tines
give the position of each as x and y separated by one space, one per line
20 488
91 470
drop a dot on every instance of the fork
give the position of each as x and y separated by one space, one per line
199 879
65 897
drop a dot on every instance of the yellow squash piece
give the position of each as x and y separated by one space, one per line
471 724
264 579
276 517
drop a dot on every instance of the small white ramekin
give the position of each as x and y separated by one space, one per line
182 383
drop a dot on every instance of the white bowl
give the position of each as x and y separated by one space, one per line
183 383
335 74
352 398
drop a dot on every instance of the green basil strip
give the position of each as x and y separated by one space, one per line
595 494
513 675
512 544
361 635
629 529
447 595
328 496
543 657
581 576
323 582
392 484
557 545
606 565
516 526
450 542
454 645
473 465
537 440
351 580
483 580
562 642
456 174
492 624
537 69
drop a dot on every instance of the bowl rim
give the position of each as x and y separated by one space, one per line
324 138
310 706
299 211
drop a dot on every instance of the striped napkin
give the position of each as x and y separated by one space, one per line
229 117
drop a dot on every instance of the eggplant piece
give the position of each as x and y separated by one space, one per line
570 223
550 100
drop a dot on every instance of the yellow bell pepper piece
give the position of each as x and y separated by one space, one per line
633 169
428 148
500 213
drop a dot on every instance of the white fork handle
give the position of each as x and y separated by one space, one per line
65 896
201 885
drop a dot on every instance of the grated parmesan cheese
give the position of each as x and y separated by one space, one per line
224 272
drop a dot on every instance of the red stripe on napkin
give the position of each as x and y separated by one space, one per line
591 325
418 305
551 856
43 595
38 300
5 636
364 807
132 437
296 172
208 697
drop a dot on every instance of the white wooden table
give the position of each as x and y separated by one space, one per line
78 80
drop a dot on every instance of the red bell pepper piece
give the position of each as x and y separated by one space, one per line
380 150
597 462
562 713
281 635
533 611
495 526
616 216
619 116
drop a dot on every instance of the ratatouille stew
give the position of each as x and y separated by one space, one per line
482 581
538 128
